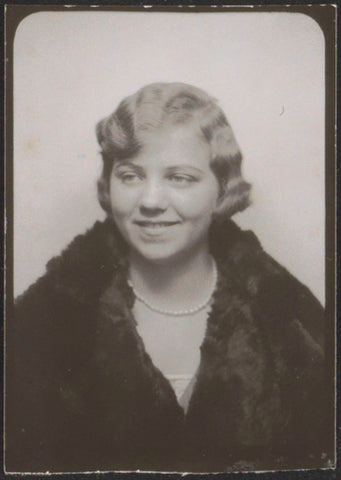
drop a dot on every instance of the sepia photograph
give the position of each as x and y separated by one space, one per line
170 289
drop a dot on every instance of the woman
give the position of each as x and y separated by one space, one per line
165 338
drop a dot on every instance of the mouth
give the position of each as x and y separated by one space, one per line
153 224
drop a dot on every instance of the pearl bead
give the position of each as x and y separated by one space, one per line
178 313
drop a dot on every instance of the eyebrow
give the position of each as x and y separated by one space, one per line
137 168
171 169
183 167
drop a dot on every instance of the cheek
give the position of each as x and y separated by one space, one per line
122 202
198 203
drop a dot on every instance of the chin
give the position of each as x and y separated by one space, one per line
158 257
163 253
160 253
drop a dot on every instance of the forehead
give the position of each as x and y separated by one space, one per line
172 145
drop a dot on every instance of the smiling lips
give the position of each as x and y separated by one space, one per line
153 224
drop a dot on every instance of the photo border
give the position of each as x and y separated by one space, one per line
325 15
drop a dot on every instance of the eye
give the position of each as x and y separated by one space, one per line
129 178
182 180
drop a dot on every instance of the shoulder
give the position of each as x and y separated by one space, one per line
81 270
279 300
62 304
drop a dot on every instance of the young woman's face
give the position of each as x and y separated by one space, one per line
163 198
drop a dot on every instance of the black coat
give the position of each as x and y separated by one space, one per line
82 394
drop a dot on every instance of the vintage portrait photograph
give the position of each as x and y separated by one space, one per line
170 295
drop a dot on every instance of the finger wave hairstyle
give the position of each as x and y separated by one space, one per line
122 134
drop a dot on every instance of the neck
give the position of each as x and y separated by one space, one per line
176 284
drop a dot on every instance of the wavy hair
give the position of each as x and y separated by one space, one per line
122 134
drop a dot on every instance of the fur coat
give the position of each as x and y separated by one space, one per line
82 394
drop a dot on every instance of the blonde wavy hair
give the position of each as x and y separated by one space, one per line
123 133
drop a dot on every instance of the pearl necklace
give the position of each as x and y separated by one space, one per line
178 313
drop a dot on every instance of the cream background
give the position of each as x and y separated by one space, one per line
266 69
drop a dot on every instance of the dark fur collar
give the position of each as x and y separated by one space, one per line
97 258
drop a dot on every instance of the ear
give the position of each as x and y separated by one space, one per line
221 193
103 194
234 198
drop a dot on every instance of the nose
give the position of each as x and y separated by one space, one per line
153 197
